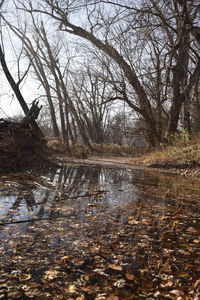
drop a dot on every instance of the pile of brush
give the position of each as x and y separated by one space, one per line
22 145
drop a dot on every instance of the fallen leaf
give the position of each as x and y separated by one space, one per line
177 293
49 275
115 267
183 275
145 221
82 297
120 283
92 204
96 248
183 252
166 284
64 259
60 229
130 276
197 283
113 297
196 241
72 289
24 276
185 245
99 195
133 222
85 277
192 230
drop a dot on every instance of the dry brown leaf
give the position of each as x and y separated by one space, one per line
148 286
120 283
24 277
181 251
196 241
183 275
96 248
64 259
192 229
145 221
72 289
133 222
82 297
113 297
130 276
115 267
50 274
177 293
197 283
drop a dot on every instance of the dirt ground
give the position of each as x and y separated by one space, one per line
129 163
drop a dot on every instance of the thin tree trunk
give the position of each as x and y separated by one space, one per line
17 92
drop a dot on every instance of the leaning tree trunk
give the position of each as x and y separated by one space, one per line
144 107
16 90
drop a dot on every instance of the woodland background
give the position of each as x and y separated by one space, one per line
106 71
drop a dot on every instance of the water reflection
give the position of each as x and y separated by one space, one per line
87 189
70 185
76 222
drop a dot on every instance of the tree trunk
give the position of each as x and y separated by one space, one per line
187 116
180 76
17 92
144 104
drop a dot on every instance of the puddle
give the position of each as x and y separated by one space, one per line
105 187
100 233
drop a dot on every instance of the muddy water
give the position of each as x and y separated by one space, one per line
84 232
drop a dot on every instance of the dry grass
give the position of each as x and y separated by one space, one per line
82 150
178 154
114 149
183 153
55 144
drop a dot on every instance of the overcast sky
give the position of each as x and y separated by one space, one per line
9 105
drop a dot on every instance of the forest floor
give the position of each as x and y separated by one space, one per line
100 228
141 162
181 157
109 232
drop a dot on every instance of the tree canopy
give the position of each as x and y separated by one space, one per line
89 58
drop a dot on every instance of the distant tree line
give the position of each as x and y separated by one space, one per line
109 71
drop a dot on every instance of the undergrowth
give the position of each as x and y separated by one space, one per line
182 151
82 150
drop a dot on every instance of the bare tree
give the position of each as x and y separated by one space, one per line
32 53
90 91
149 50
143 106
16 88
110 32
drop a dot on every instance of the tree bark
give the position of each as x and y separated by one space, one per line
17 92
180 75
145 107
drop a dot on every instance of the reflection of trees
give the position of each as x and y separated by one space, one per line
29 203
67 186
69 181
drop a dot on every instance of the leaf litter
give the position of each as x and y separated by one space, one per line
82 239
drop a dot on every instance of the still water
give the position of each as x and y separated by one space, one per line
98 233
73 186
